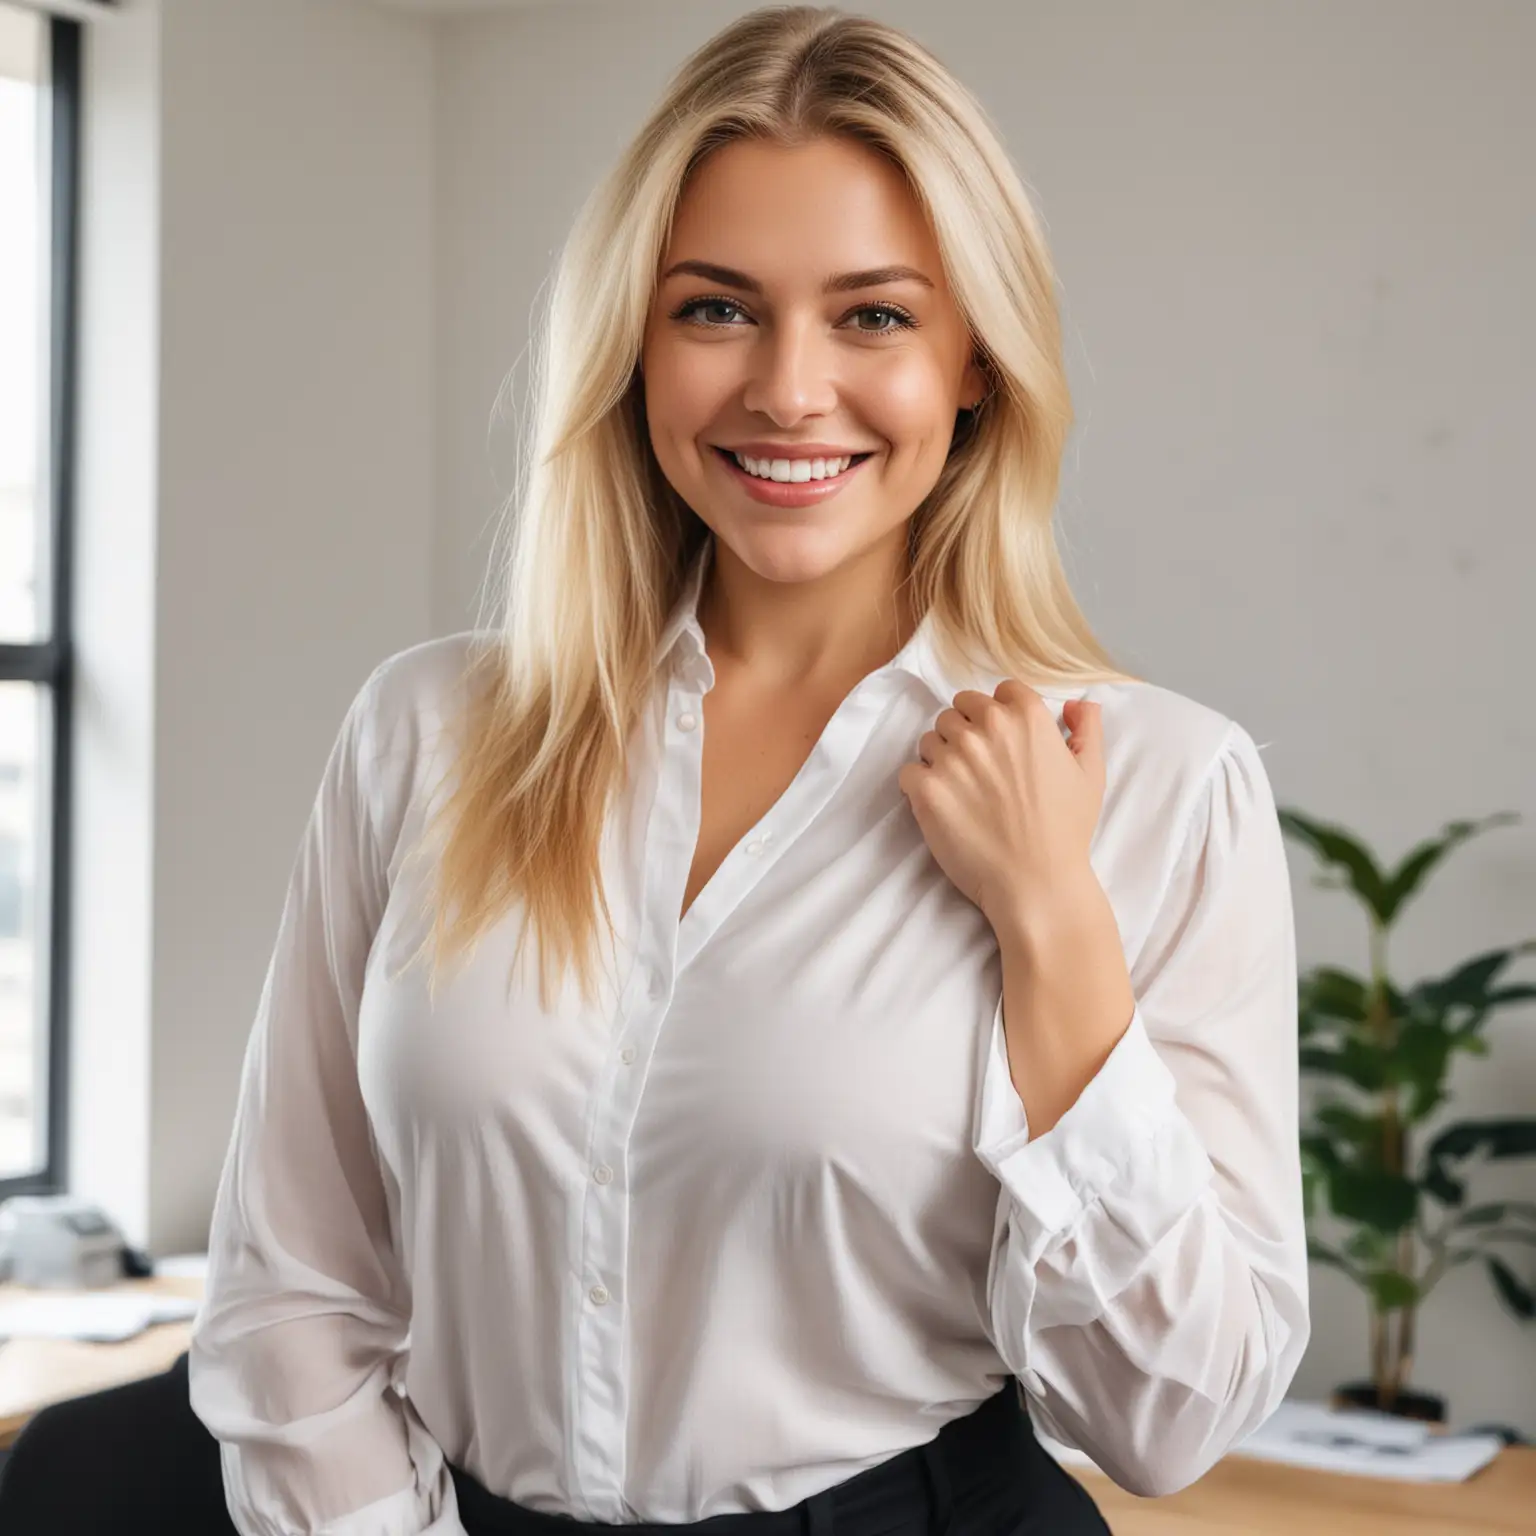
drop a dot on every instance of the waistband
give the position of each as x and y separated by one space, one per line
985 1449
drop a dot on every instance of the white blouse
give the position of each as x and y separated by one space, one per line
769 1213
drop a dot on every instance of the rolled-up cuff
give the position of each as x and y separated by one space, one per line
1120 1113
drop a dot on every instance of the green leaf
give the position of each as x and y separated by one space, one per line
1454 1260
1320 1254
1501 1210
1414 869
1320 1151
1502 996
1512 1291
1338 849
1499 1138
1420 1060
1331 993
1442 1185
1368 1246
1386 1201
1362 1131
1468 986
1354 1061
1389 1289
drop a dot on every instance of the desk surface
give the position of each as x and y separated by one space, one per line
1242 1496
36 1372
1239 1497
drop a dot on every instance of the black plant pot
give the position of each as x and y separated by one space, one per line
1424 1406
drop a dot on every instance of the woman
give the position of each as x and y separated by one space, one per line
817 1047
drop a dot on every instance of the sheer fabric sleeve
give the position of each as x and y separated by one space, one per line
1148 1281
307 1309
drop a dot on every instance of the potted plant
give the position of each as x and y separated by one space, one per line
1383 1055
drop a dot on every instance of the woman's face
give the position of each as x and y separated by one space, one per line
759 350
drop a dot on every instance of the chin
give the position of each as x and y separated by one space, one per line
776 549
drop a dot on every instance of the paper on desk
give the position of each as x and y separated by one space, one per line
1371 1444
1358 1441
104 1317
192 1266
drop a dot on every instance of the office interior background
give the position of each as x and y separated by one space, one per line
1295 243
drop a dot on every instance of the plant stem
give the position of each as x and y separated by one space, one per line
1390 1358
1379 1353
1406 1317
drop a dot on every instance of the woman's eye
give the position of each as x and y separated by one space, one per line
694 306
702 304
900 320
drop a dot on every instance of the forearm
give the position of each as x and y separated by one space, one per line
1067 996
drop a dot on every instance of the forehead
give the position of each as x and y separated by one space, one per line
831 204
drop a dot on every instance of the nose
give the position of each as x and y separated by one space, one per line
792 372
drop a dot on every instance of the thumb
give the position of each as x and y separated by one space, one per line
1086 722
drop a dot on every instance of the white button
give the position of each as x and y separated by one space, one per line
686 721
767 837
627 1055
599 1295
602 1173
754 847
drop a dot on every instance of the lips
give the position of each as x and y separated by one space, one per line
730 457
798 494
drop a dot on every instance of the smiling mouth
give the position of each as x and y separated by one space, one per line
854 460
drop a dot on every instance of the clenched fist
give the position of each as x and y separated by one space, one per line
1007 806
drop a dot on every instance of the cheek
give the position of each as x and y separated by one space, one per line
906 400
686 387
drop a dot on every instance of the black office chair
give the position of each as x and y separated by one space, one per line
117 1462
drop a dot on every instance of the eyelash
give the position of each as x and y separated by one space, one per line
906 321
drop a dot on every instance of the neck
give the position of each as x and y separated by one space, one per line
808 634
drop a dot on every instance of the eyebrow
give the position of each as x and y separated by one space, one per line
839 282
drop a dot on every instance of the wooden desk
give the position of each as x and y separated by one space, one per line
36 1372
1241 1496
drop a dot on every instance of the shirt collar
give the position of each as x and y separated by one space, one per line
918 658
684 618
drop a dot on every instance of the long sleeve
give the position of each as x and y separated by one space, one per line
307 1309
1148 1283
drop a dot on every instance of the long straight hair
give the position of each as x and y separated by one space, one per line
601 543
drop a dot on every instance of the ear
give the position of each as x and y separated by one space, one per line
974 386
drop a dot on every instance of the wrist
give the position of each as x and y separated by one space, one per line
1074 908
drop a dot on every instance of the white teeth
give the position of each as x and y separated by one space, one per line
793 469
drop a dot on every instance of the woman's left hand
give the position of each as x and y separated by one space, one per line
1008 807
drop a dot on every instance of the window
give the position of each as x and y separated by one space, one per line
39 155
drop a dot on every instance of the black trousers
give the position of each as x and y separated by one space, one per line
984 1474
135 1459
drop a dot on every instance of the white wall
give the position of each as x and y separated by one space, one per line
1296 243
257 378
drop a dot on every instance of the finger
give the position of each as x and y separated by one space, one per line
974 705
1086 720
1012 691
949 724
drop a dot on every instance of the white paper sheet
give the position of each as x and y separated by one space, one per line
1356 1441
190 1265
1371 1444
105 1317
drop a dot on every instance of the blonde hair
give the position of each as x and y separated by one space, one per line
602 543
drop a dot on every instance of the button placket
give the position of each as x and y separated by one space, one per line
601 1407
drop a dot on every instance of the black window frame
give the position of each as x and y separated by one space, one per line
49 662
